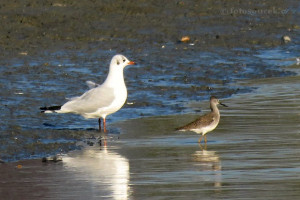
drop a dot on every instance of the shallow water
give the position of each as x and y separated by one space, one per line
165 89
253 153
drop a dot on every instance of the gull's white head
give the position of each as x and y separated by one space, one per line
115 74
120 62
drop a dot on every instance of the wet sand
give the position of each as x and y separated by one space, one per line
32 26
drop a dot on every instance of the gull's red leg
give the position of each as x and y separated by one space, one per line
104 125
99 121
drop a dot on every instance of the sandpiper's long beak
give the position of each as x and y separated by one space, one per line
223 104
131 63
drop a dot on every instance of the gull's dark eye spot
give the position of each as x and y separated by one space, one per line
124 60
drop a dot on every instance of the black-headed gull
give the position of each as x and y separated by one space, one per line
101 100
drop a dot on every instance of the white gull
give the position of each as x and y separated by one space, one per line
101 100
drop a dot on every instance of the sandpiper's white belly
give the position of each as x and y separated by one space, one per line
206 129
209 128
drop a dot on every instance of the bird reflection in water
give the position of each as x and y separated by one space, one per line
105 169
209 161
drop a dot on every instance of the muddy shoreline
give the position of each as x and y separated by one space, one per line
31 26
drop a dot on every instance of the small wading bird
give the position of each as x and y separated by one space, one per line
101 100
207 122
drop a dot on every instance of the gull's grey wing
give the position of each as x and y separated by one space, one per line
90 101
91 84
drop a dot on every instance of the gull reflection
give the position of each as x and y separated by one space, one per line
105 169
209 161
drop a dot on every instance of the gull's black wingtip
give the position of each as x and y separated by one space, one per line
50 108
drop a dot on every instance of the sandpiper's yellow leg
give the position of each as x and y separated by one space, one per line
199 141
205 139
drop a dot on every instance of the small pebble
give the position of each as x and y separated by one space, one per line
185 39
24 53
286 39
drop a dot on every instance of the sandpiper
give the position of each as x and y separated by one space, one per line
207 122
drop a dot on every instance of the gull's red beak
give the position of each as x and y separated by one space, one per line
131 63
